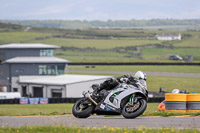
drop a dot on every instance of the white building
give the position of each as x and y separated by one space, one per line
168 37
33 71
61 86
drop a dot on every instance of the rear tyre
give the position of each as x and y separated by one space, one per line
83 108
132 111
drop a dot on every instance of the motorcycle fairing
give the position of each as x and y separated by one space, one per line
124 92
104 108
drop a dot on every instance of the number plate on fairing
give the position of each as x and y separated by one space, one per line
102 106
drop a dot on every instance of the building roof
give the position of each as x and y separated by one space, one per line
42 59
168 35
60 79
27 46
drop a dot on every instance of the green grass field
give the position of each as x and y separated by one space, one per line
45 109
154 82
64 109
99 56
66 129
96 43
170 83
177 69
193 42
107 45
20 37
164 53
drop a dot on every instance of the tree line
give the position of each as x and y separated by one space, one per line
81 24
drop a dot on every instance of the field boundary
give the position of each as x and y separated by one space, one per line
70 100
136 63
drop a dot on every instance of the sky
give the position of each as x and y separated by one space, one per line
98 9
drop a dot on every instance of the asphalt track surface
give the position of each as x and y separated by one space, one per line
197 75
101 121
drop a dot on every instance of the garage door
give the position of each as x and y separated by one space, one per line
37 91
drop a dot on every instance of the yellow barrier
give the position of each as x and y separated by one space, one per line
193 97
169 97
192 102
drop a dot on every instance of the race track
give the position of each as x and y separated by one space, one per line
101 121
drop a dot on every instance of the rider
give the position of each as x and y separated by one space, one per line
139 80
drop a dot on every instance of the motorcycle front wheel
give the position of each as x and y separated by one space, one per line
83 108
130 111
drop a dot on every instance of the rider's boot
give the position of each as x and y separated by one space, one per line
96 91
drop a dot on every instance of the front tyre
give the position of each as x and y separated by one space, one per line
83 108
132 111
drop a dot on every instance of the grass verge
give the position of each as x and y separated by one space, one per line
64 129
63 109
40 109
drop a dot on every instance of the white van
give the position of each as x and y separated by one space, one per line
9 95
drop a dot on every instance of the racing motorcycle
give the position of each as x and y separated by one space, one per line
125 96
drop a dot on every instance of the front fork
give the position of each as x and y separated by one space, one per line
134 99
87 95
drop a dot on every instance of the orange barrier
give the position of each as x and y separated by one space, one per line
161 106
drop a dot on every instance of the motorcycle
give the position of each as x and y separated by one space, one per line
125 96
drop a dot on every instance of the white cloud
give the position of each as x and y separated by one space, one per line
47 11
191 14
95 9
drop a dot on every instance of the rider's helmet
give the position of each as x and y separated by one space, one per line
140 75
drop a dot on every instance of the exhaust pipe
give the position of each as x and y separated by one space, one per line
86 94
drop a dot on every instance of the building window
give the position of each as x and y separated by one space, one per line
46 52
47 70
60 70
51 70
24 91
56 93
19 70
42 70
2 54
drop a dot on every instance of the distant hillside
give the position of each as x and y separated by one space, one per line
105 45
169 24
4 27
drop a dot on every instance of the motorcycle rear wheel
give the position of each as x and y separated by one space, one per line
133 111
83 108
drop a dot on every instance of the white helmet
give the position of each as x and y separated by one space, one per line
140 75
